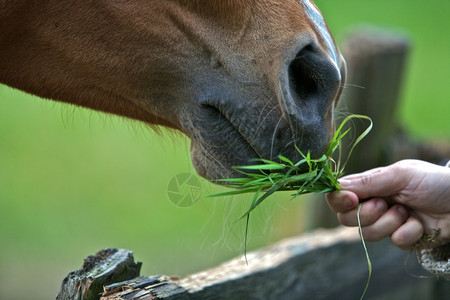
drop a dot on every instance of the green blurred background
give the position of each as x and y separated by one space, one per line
73 181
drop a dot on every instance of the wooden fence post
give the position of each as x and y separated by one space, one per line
104 268
376 62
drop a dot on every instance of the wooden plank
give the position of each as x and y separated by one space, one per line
324 264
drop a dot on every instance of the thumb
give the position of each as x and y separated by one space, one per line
379 182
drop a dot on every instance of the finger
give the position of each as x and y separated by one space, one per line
379 182
371 211
358 175
342 201
386 224
408 233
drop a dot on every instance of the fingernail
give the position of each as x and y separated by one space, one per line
380 205
344 183
348 203
402 210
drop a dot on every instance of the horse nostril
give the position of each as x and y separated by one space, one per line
302 80
313 79
309 85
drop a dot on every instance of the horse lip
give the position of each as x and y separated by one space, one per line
254 140
238 128
219 144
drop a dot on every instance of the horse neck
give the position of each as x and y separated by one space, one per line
76 52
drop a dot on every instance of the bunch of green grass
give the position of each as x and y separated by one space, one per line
308 175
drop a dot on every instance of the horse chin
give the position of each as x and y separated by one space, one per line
215 163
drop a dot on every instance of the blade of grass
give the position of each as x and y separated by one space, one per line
369 263
254 204
235 192
267 167
286 160
356 142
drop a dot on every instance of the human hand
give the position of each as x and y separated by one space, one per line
404 201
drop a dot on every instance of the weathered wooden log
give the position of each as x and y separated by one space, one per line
106 267
402 146
143 288
325 264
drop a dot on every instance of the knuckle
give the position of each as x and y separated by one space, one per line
372 235
400 167
366 180
344 219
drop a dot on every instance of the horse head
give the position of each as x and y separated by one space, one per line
242 79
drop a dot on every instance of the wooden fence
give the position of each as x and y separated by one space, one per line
322 264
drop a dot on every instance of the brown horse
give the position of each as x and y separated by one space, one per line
242 79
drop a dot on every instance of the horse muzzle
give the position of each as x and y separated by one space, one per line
293 109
